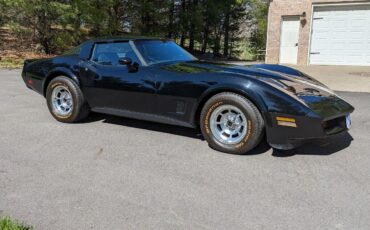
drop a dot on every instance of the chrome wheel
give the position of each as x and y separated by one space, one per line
62 101
228 124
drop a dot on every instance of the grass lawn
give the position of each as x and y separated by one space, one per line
7 224
11 63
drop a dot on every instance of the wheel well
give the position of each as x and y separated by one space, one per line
51 77
206 98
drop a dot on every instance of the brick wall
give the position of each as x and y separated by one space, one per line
280 8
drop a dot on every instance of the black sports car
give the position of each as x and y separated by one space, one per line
157 80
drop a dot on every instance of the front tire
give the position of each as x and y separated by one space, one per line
231 123
65 100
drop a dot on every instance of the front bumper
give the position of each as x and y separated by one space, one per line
306 128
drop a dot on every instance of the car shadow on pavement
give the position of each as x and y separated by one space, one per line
261 148
321 147
147 125
317 147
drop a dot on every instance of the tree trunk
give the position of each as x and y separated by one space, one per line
205 40
216 48
217 45
96 30
205 31
182 39
183 23
192 26
226 30
170 19
116 19
145 19
43 31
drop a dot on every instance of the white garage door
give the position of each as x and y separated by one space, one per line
341 35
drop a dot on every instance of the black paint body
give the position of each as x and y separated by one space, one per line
174 92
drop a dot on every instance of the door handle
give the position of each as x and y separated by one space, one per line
296 44
90 63
86 64
315 53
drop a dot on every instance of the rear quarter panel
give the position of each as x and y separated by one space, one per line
36 72
41 72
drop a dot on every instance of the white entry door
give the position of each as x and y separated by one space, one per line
289 40
341 35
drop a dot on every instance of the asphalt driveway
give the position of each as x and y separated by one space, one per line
117 173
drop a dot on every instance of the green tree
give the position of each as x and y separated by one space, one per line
258 17
199 25
149 17
235 14
2 12
45 19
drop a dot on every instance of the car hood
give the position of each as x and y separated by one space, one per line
298 85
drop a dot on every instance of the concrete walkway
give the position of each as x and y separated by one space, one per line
341 78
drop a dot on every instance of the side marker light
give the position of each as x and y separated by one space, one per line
286 121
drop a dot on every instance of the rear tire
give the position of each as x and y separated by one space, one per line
231 123
65 100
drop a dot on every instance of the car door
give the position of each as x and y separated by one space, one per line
180 85
114 88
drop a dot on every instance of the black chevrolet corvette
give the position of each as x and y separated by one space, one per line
156 80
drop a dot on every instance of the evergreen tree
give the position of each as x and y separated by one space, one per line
199 25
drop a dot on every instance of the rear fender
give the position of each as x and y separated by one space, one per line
59 71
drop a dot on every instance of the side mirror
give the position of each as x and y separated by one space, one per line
125 61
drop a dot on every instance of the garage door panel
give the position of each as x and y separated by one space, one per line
357 36
341 35
337 24
338 34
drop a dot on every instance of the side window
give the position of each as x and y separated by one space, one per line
110 53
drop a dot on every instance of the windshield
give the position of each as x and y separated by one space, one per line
157 51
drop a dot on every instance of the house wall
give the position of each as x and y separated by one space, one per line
280 8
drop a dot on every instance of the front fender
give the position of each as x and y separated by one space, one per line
266 98
248 90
